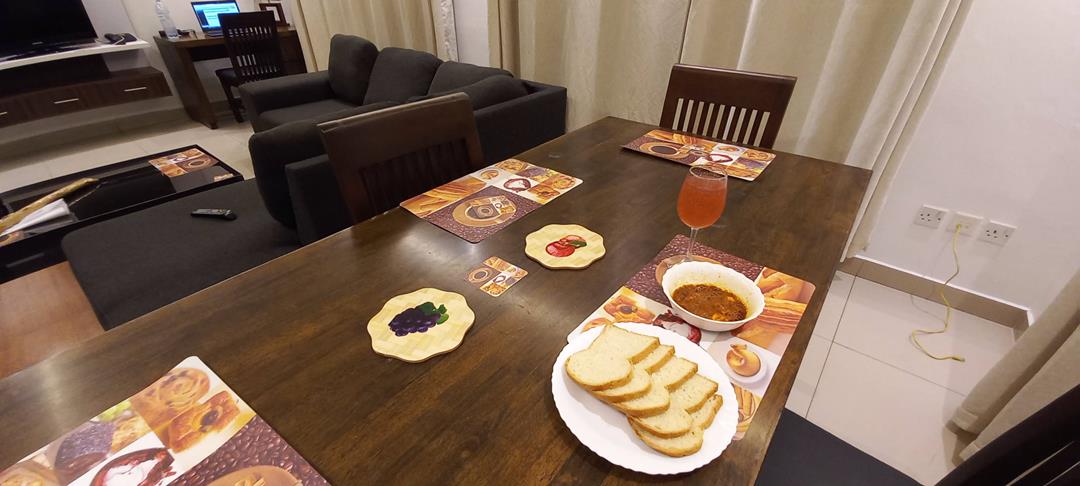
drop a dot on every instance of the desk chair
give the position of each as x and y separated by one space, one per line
251 39
387 156
738 107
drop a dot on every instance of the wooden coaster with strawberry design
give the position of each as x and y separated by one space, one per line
564 246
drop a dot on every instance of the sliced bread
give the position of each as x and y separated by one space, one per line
638 386
674 373
657 358
704 416
686 399
654 402
596 370
683 445
631 345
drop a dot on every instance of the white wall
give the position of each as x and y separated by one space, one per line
471 22
1000 139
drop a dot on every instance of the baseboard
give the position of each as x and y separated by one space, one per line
965 300
105 127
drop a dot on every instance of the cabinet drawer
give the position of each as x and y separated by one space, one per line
61 100
133 89
12 112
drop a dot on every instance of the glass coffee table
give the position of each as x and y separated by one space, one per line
122 188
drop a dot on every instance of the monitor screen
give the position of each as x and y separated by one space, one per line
27 25
208 12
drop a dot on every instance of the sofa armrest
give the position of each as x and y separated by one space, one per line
316 199
270 94
514 126
273 149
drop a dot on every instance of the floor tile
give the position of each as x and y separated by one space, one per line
878 322
18 173
806 381
833 308
88 155
892 415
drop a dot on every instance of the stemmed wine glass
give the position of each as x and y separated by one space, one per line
701 201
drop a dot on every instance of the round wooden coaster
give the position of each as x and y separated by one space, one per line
396 330
564 246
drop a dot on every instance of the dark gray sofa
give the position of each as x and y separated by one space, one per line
291 167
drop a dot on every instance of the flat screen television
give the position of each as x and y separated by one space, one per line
33 25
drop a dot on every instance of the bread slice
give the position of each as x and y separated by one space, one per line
704 416
654 402
674 373
692 394
657 358
638 386
595 370
631 345
686 399
680 446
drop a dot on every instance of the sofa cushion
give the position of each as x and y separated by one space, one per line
399 74
351 60
133 264
486 92
304 111
272 149
453 74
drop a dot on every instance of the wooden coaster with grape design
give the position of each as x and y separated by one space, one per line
564 246
416 326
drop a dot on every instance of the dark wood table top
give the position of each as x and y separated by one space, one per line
198 38
290 336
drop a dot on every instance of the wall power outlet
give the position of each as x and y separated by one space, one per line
996 232
930 216
968 223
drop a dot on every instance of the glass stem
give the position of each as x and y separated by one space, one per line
690 245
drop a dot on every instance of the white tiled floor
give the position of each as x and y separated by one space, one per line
863 381
228 143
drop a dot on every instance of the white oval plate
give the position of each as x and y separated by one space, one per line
606 431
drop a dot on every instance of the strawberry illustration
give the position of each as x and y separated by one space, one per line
565 246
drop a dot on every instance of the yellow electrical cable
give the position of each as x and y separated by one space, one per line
948 307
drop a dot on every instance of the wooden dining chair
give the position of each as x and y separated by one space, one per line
738 107
384 157
251 40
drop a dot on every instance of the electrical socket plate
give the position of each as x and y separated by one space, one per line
930 216
997 233
968 222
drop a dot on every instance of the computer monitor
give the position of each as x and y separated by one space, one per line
208 12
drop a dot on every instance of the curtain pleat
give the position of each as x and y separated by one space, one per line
1041 367
387 23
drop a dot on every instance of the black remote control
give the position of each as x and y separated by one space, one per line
214 213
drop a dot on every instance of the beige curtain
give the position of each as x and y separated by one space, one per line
1042 366
613 56
425 25
862 65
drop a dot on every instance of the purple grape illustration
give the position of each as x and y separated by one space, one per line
418 319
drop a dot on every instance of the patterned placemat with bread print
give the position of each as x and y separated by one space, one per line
188 428
750 354
740 162
480 204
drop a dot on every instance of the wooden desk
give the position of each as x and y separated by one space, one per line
180 56
290 336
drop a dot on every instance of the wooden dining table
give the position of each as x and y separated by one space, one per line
290 336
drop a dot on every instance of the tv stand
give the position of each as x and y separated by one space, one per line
72 79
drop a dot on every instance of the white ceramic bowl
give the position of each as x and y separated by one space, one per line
689 273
